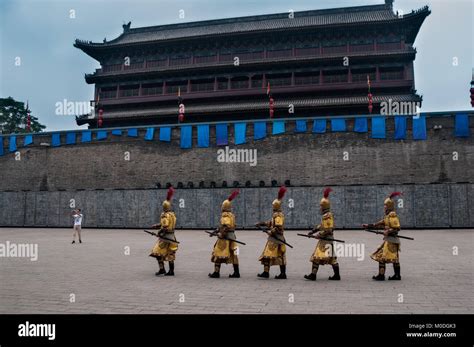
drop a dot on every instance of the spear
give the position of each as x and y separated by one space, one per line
269 234
320 238
381 233
157 234
211 233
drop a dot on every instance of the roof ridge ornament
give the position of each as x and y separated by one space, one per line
389 3
126 27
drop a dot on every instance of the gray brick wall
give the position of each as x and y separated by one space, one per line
304 159
434 206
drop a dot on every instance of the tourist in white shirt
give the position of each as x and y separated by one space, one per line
77 215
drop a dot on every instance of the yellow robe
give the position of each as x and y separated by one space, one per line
225 251
324 252
388 251
165 250
274 252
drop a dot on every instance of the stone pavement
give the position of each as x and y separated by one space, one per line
104 279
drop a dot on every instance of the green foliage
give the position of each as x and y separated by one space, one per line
14 115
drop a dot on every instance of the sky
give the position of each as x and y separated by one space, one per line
41 33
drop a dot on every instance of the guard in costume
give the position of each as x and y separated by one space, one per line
274 252
165 249
388 250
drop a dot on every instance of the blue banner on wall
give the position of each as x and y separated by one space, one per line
378 127
278 127
221 135
419 128
117 132
1 146
240 130
461 125
70 138
338 124
400 128
132 132
28 140
186 136
300 126
259 130
360 125
12 146
56 140
101 135
165 134
86 136
150 132
203 135
319 126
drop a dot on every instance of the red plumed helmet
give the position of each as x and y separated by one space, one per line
326 192
394 194
233 195
281 192
170 193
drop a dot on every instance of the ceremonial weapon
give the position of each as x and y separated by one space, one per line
320 238
161 237
381 233
276 238
213 234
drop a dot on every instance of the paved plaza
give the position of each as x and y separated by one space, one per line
111 272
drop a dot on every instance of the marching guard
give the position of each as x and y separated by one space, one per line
388 250
274 252
324 251
225 249
166 246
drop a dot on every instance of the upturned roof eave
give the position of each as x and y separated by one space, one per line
95 49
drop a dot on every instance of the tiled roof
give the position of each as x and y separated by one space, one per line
314 18
262 105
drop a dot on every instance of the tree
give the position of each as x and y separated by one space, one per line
14 117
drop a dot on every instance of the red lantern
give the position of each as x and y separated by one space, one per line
272 106
181 111
101 120
370 103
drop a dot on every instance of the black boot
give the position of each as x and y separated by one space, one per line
266 271
162 268
336 276
396 276
216 273
381 275
314 272
171 271
282 275
236 273
73 241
